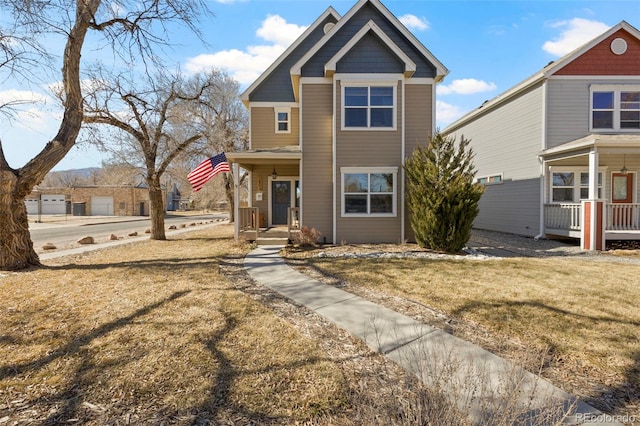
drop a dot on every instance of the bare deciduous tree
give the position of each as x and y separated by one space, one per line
161 121
228 130
131 27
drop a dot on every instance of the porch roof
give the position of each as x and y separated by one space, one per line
598 142
275 155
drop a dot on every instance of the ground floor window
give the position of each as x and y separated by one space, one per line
369 191
572 186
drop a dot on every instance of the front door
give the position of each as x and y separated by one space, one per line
281 201
622 193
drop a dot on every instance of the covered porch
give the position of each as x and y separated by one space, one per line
271 211
591 190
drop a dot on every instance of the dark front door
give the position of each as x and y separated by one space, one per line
281 201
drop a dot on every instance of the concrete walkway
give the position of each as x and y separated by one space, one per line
479 382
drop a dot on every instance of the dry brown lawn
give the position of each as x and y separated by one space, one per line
150 333
582 313
176 333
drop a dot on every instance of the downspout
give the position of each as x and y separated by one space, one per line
543 179
333 163
402 162
543 168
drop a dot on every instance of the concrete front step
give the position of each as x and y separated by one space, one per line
272 241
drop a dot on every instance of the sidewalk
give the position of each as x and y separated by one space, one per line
477 379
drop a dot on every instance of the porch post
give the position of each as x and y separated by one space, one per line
236 201
592 234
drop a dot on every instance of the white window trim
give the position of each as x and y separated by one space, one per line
576 182
278 110
369 170
363 83
493 175
616 89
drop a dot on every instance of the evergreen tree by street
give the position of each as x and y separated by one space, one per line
442 195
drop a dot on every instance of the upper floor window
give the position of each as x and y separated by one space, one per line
615 107
283 122
368 107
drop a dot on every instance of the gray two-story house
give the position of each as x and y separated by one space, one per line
559 153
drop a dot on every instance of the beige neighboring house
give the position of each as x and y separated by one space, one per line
332 121
109 200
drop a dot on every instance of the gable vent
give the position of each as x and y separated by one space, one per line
618 46
327 27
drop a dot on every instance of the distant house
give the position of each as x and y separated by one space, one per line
332 121
96 200
560 152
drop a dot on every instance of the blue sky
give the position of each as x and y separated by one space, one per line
488 46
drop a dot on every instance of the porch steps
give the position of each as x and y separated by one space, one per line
270 241
273 236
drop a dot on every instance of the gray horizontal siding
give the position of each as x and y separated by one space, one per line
512 207
568 109
370 55
315 66
508 139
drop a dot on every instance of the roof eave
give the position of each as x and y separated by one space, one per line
246 94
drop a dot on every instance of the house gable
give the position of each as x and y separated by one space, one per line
602 60
366 11
370 51
274 85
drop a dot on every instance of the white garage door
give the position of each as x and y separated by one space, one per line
52 204
101 206
32 205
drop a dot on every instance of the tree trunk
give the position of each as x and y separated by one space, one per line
156 209
228 190
16 247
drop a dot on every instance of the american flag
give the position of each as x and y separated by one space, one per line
206 170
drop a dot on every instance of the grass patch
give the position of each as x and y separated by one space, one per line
150 333
583 312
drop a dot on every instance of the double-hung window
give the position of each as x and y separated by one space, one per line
368 107
572 186
282 116
615 107
369 191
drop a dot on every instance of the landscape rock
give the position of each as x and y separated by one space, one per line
183 225
173 227
113 237
86 240
147 231
49 246
133 234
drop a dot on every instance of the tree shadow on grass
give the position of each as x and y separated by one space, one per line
219 404
479 306
191 262
75 346
608 399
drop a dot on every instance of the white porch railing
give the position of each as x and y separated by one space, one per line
248 220
293 220
563 216
623 217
